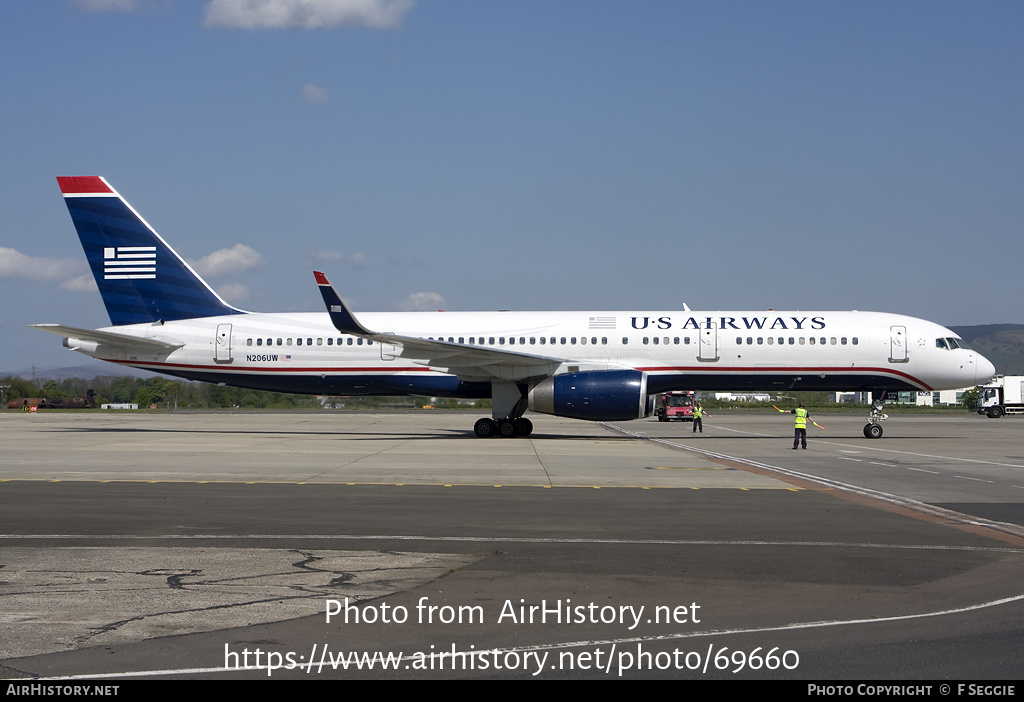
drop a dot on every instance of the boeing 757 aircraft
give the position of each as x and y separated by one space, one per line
594 365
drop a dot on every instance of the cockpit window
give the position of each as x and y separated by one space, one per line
960 343
940 344
952 343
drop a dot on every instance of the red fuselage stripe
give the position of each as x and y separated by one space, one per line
784 370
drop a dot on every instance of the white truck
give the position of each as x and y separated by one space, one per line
1004 395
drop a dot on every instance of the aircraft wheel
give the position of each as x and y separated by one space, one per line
873 431
524 427
506 428
485 428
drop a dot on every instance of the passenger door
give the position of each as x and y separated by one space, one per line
222 345
898 344
708 350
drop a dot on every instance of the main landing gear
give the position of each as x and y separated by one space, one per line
873 430
507 427
508 402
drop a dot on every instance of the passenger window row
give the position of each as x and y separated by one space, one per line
819 340
571 341
308 341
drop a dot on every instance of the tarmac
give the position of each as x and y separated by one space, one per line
226 545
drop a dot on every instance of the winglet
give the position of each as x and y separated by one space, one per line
341 316
84 185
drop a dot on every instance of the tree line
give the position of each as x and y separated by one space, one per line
167 393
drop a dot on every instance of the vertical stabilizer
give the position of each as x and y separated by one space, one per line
140 277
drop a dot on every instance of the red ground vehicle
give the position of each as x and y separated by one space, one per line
675 405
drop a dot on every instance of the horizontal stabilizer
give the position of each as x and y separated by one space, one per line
109 338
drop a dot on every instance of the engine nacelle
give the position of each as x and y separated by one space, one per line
596 395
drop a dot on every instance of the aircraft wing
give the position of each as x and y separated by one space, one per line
465 360
109 338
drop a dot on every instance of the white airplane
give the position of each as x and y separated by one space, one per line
593 365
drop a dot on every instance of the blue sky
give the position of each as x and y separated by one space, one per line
523 155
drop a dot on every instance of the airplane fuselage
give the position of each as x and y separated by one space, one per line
583 365
304 353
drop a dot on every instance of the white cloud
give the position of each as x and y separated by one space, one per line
73 274
62 271
422 302
83 283
233 292
327 256
107 5
315 95
238 259
305 14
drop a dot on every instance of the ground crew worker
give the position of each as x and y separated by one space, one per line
800 433
698 412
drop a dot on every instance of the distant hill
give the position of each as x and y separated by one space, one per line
84 371
1003 344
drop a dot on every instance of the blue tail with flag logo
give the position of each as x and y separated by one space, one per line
140 277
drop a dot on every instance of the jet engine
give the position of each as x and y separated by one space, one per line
602 395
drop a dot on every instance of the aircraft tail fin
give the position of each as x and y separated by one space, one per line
139 275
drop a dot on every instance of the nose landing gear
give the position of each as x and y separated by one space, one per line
873 430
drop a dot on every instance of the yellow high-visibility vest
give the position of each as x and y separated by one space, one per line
801 418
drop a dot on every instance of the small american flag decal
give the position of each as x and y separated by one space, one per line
602 322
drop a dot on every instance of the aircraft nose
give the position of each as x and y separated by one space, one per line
984 369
